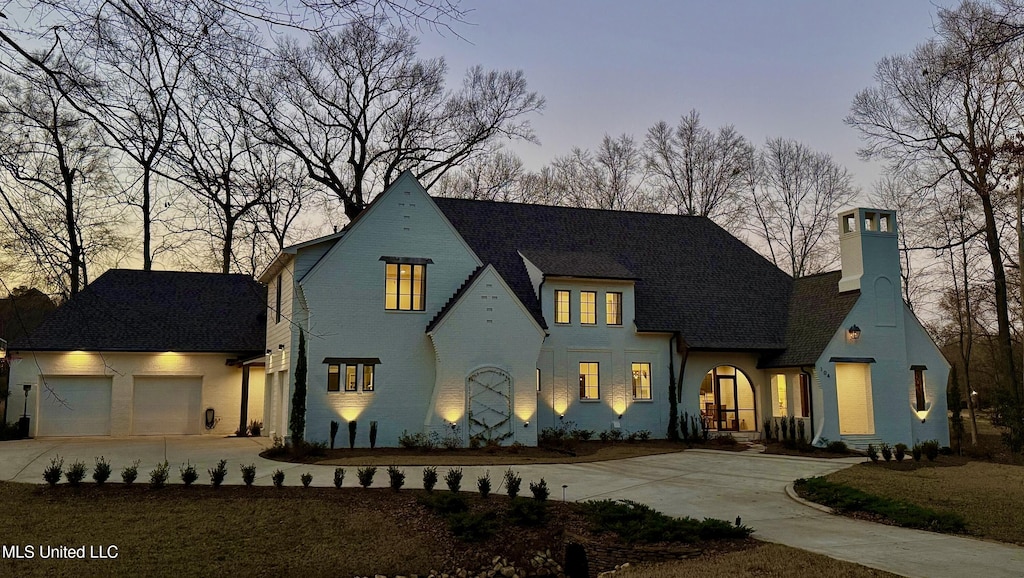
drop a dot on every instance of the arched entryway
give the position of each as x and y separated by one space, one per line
727 400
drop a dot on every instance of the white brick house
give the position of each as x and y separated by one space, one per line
502 319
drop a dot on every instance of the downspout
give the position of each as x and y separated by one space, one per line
682 367
810 399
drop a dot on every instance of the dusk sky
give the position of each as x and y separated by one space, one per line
786 68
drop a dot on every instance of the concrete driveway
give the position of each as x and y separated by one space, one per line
697 483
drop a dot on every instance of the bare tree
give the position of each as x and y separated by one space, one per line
950 100
54 197
612 177
797 194
358 107
492 175
697 172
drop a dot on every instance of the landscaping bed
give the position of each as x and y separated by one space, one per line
203 530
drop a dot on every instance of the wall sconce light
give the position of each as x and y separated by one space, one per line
620 416
526 424
854 332
269 352
453 425
280 346
561 416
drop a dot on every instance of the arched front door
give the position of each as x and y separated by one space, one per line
489 397
727 400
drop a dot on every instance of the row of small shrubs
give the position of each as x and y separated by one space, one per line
423 441
787 430
846 499
301 450
567 434
638 523
930 449
158 477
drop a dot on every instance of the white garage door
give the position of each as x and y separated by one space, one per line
167 406
75 406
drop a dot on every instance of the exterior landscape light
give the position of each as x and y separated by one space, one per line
854 332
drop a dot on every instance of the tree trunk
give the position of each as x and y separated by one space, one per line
1002 312
147 222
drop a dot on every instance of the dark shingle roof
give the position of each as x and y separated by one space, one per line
692 276
158 311
816 310
578 264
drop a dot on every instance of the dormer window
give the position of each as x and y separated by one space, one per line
562 306
405 284
613 308
588 308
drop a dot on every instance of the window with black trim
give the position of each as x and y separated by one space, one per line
588 308
562 298
333 377
350 377
642 380
613 308
590 386
919 397
346 373
368 377
277 312
405 286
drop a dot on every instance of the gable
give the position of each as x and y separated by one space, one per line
404 221
480 293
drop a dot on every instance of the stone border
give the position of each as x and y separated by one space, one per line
791 492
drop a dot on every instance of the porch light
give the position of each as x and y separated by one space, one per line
854 332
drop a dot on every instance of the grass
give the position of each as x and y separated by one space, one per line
987 496
206 531
763 560
850 500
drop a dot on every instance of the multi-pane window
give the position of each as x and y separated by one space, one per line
368 378
405 287
919 397
350 377
562 307
641 381
344 374
333 377
613 308
588 308
589 384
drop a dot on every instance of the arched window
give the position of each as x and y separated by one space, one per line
727 400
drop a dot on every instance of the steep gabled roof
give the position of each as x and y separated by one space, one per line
816 310
142 311
691 275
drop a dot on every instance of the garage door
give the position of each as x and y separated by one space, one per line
75 406
167 406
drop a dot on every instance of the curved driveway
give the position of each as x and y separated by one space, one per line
697 483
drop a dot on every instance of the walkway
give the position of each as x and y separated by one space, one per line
697 483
